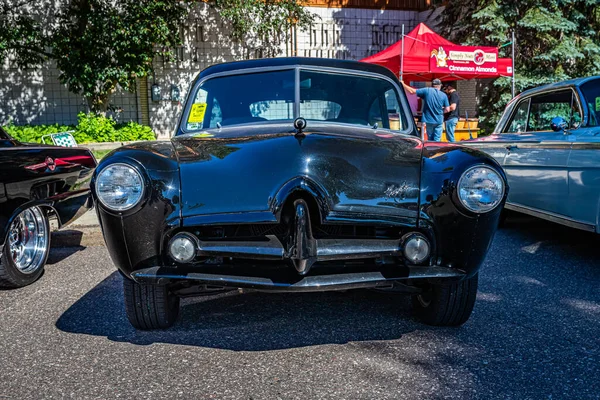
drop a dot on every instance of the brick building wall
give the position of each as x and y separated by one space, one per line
344 33
37 96
470 95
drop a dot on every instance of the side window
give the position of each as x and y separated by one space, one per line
394 112
375 115
390 117
545 107
518 121
576 114
591 101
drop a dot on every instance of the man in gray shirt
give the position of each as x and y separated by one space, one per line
435 104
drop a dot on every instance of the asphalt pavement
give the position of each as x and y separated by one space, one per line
534 334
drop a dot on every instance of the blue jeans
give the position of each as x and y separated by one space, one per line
434 131
450 128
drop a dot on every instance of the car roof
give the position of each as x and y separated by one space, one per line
296 61
558 85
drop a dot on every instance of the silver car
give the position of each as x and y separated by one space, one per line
548 142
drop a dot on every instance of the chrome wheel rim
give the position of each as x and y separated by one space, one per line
28 240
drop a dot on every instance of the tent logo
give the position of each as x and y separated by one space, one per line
478 57
440 57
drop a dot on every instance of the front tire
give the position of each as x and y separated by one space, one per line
150 306
447 304
25 249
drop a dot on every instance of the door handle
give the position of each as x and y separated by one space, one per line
511 147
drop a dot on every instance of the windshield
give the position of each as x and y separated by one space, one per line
270 96
350 99
591 94
239 99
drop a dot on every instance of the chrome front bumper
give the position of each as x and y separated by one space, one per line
313 283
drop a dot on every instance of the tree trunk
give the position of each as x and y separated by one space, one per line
98 103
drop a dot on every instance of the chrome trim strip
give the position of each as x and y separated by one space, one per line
586 146
326 249
559 219
522 144
542 144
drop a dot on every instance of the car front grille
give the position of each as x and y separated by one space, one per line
258 231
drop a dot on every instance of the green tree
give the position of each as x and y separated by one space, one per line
20 34
266 20
555 40
96 44
99 44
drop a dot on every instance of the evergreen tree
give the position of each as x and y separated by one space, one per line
555 40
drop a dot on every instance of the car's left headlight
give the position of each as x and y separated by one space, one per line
119 187
480 189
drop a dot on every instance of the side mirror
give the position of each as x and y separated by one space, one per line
558 124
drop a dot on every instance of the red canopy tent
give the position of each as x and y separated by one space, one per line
421 44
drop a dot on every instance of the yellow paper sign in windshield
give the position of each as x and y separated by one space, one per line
197 113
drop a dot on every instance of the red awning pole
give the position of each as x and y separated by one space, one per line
402 55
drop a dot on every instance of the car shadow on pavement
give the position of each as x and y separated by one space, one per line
57 254
533 269
250 321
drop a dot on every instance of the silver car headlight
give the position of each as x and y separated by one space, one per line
480 189
119 187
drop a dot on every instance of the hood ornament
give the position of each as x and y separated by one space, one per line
300 125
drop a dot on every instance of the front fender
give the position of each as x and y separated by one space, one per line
462 237
140 244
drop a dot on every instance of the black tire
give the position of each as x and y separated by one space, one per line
447 304
10 275
150 306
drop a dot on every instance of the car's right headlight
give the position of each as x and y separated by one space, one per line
119 187
480 189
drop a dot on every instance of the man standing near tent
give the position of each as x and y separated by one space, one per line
435 104
452 117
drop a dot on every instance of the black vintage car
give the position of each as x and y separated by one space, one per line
37 183
297 174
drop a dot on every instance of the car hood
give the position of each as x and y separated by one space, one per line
354 172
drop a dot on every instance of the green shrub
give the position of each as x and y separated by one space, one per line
34 133
94 128
91 128
134 131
